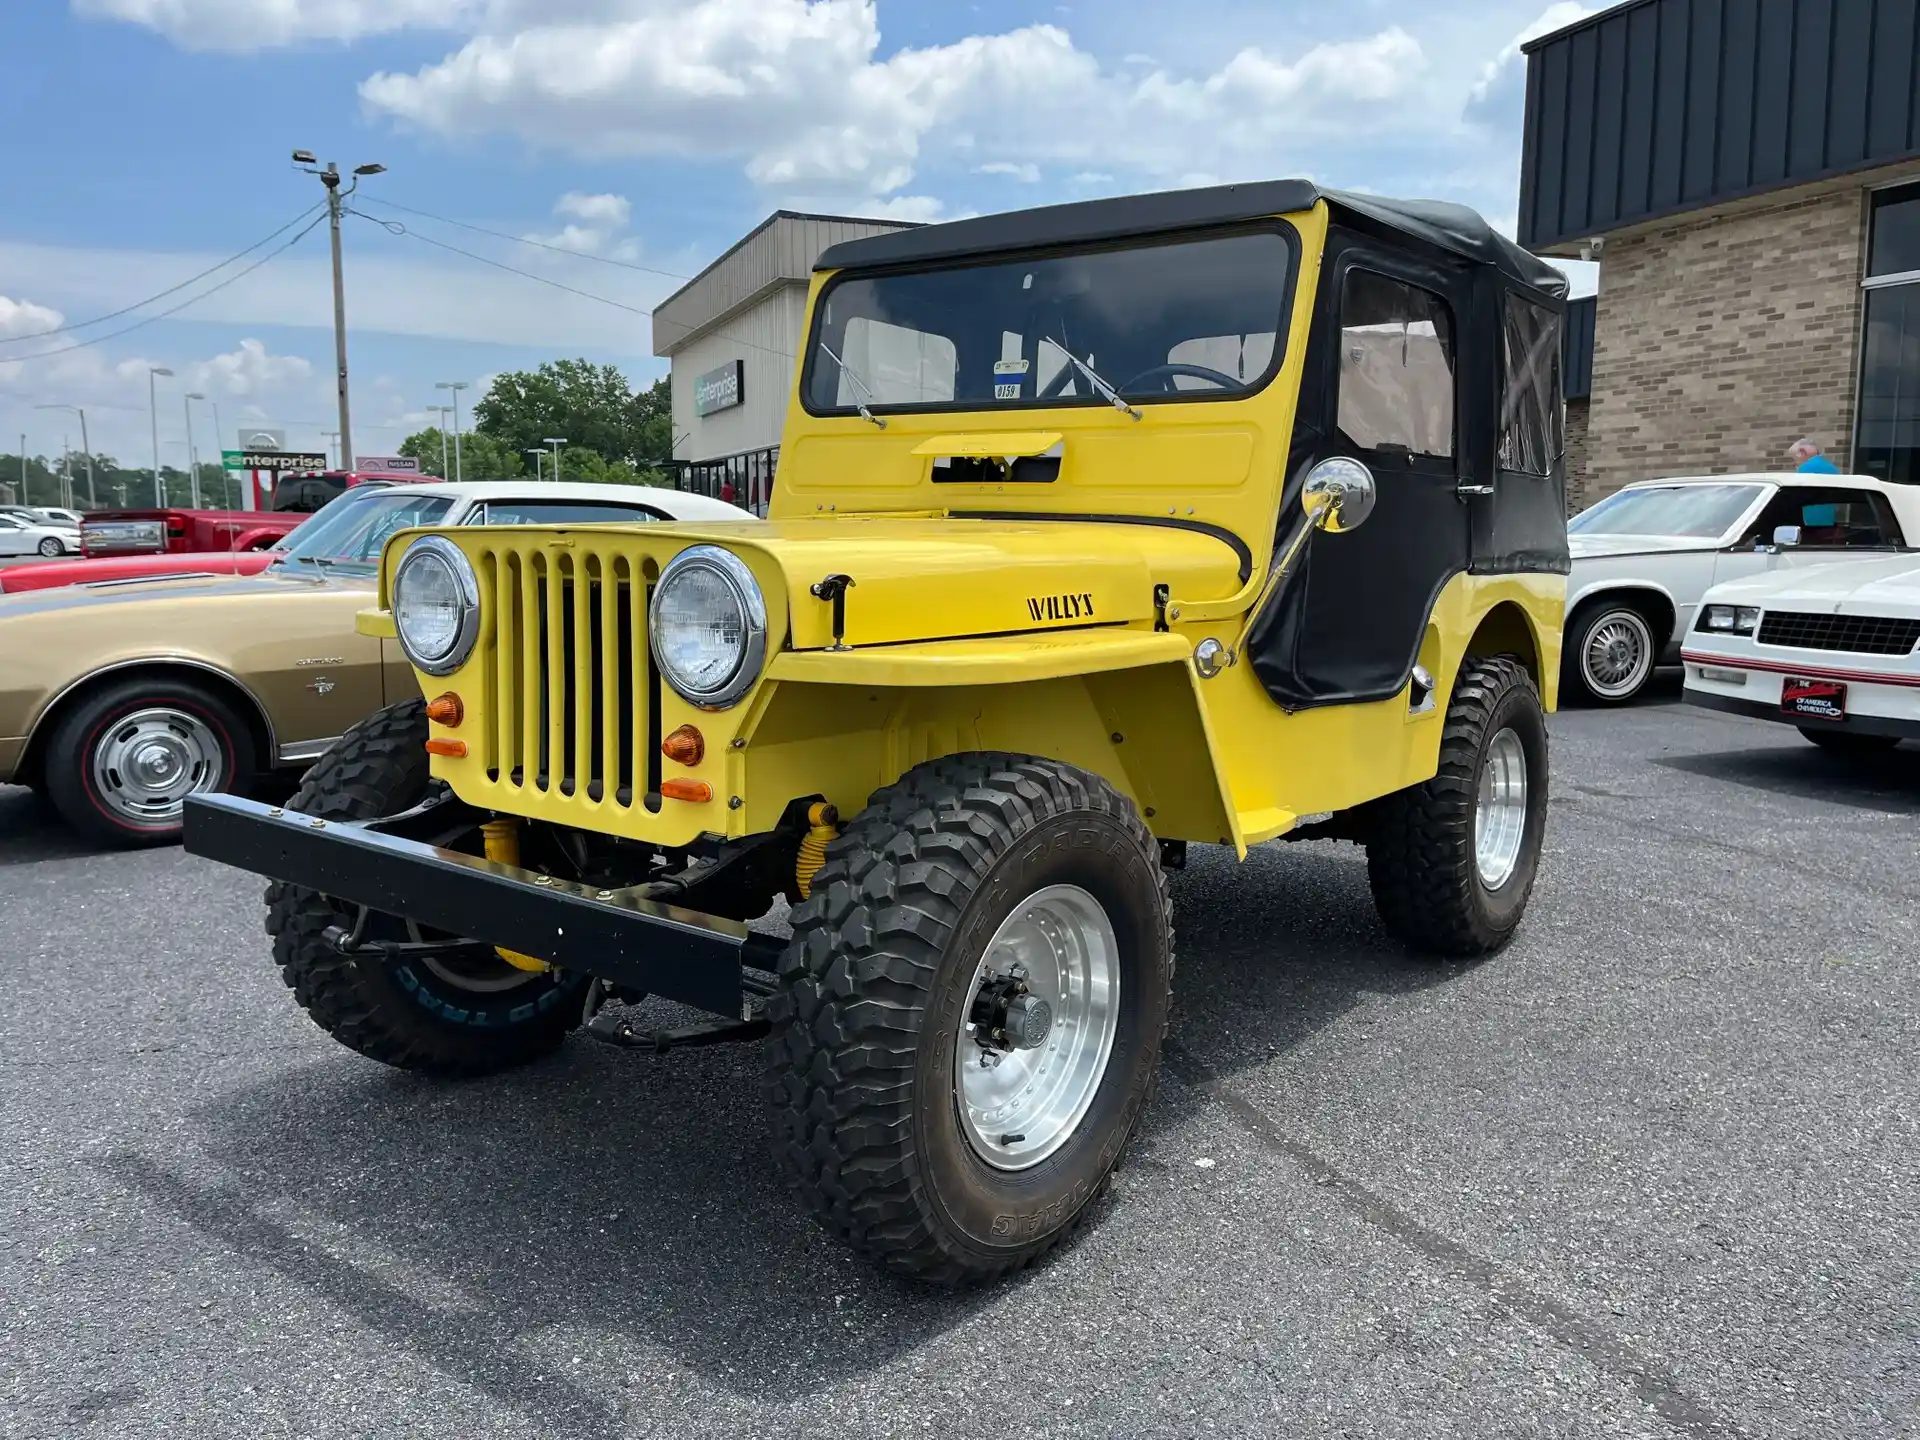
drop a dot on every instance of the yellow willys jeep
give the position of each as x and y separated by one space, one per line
1100 530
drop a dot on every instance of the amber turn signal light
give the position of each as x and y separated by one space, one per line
446 710
452 749
696 790
686 746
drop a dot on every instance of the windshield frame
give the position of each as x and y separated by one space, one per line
1144 240
1759 497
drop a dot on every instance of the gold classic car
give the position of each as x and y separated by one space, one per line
120 699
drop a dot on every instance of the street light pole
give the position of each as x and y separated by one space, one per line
153 418
556 441
330 436
193 457
85 444
220 446
539 456
330 177
456 386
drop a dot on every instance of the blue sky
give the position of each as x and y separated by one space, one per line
149 139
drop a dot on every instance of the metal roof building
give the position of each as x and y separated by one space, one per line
1747 173
731 336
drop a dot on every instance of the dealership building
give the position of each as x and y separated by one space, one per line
1747 175
731 335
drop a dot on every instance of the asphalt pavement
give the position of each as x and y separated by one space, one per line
1653 1171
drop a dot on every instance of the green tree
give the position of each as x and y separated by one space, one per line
592 406
482 457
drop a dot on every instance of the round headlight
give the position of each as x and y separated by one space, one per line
436 605
709 626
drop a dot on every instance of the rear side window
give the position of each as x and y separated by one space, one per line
1396 366
1532 420
1830 518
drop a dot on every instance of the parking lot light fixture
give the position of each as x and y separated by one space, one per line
556 441
539 460
456 386
153 417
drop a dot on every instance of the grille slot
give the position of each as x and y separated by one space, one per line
1857 634
565 647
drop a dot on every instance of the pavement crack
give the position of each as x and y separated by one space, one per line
1656 1387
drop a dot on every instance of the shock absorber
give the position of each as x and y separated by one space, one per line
822 819
502 839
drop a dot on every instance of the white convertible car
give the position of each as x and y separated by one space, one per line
1644 556
1829 650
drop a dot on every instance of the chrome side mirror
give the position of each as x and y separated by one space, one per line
1338 495
1786 534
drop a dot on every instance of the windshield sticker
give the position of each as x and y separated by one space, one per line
1007 391
1010 367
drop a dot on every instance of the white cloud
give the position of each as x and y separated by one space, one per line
243 25
1027 173
1500 71
594 225
248 370
611 211
23 317
796 90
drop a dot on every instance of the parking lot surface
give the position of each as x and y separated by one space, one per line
1650 1172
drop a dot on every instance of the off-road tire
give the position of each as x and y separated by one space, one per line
1420 855
859 1076
400 1012
1849 743
67 770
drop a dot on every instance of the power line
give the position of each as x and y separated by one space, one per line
395 227
139 304
529 240
172 309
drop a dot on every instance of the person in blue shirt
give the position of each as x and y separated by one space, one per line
1807 459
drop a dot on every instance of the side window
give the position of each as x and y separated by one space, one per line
1831 518
1532 419
560 512
1396 366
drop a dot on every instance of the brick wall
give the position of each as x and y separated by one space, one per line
1577 456
1723 338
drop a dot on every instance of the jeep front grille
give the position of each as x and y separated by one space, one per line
1859 634
566 672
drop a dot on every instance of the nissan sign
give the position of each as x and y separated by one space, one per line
720 389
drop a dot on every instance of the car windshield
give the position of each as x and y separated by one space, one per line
350 531
1179 319
1702 512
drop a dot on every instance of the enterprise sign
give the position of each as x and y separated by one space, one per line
298 461
720 389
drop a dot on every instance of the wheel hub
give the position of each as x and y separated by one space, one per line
146 764
1039 1026
1500 814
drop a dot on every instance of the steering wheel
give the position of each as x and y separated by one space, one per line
1165 374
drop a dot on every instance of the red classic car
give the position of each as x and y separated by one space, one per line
16 578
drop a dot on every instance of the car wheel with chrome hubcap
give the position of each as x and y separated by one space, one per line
1613 650
970 1014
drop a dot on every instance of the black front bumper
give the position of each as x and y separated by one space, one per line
1770 710
613 934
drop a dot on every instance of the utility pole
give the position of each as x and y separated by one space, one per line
153 419
330 177
85 444
456 386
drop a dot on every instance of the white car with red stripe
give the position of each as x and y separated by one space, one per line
1833 650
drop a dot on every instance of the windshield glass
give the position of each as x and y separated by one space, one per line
1180 319
1702 512
351 530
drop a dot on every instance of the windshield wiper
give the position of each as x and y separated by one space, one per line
864 388
1107 392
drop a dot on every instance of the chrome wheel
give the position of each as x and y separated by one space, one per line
51 547
1617 655
146 763
1500 813
1037 1028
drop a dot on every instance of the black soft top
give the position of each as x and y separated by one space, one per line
1451 227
